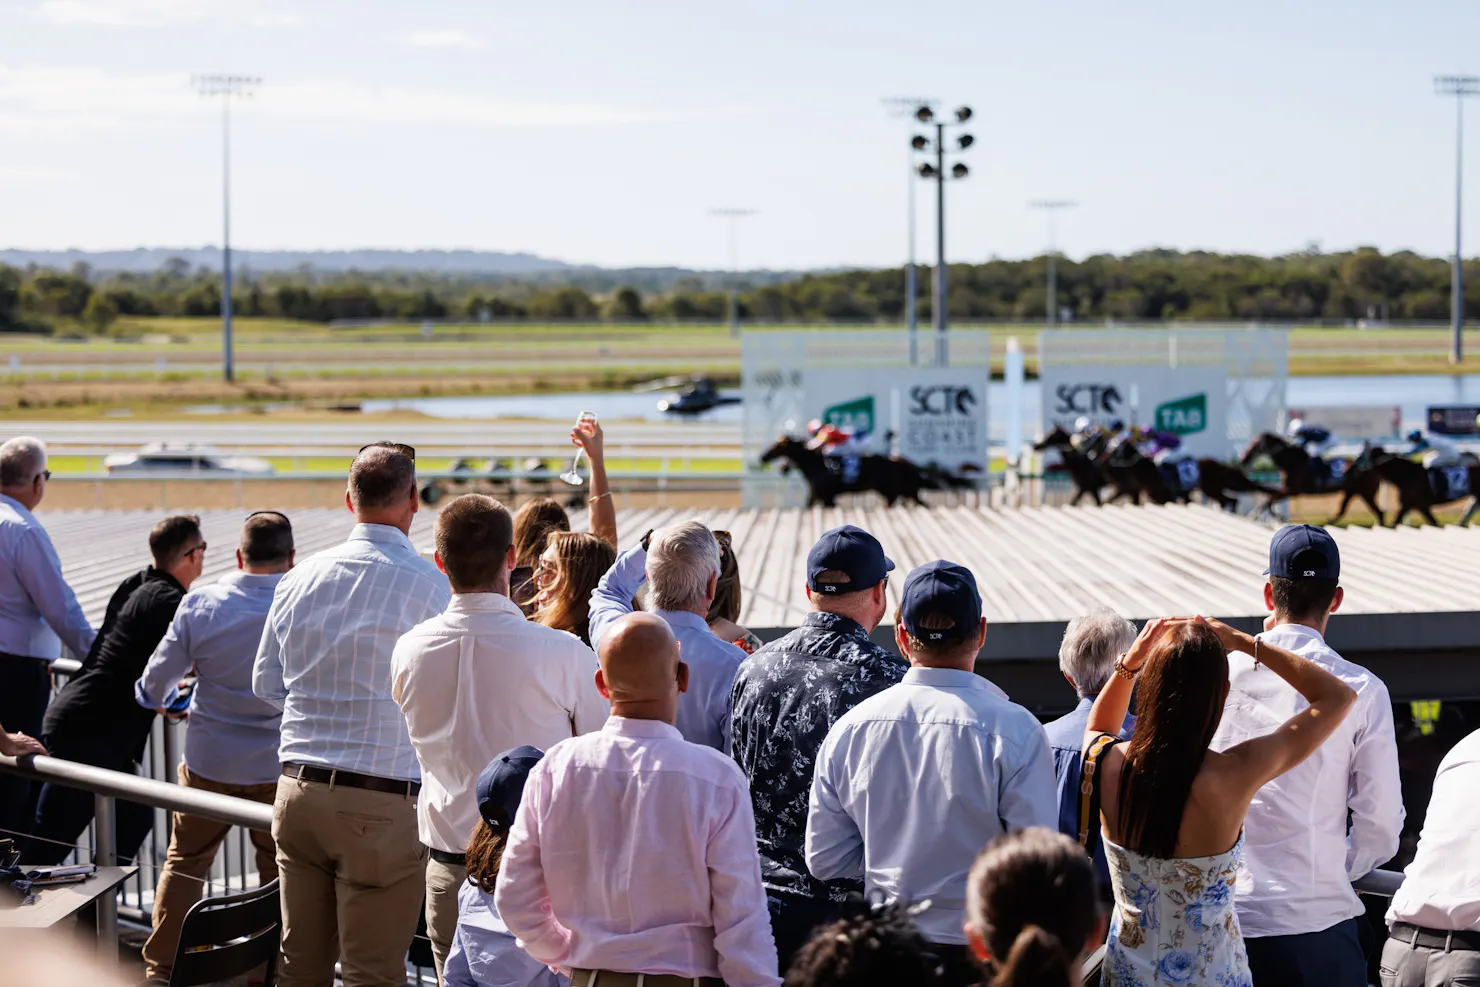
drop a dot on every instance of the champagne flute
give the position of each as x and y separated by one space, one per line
572 476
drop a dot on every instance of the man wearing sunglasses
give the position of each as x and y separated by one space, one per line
38 613
94 719
350 861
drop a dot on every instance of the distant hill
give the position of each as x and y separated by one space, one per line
143 260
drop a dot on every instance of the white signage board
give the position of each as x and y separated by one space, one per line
1191 401
938 415
1354 422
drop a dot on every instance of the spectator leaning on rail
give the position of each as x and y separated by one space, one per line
344 820
474 681
231 746
911 782
682 564
1332 818
38 613
94 719
632 859
1434 920
786 698
1087 658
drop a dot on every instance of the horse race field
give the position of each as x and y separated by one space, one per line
152 365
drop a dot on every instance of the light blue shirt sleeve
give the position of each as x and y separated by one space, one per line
612 597
159 684
834 844
267 671
39 571
1028 794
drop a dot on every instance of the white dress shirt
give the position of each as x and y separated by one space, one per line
479 680
634 851
1441 888
1298 849
232 736
325 655
912 782
38 611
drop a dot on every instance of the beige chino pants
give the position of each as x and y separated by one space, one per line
351 870
444 881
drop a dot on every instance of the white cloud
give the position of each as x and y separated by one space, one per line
454 38
159 13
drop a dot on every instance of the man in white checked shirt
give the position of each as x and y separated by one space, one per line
348 854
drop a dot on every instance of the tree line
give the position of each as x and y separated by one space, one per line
1154 285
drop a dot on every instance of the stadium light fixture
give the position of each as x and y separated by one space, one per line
1052 207
963 113
910 106
924 114
733 216
959 170
938 172
965 141
920 142
1458 86
228 87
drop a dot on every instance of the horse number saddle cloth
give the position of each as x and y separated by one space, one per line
1328 472
1449 482
1181 474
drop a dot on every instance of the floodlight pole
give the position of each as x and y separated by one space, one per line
226 86
906 106
1051 206
939 308
732 215
1458 86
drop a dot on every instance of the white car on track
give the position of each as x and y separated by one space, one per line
166 458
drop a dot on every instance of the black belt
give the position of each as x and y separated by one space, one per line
350 779
450 859
1417 935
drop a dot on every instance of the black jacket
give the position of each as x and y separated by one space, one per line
786 697
98 703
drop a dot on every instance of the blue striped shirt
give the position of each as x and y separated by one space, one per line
325 655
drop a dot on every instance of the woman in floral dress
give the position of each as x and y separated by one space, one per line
1173 810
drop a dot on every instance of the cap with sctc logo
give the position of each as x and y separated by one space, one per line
851 551
501 785
1303 551
941 588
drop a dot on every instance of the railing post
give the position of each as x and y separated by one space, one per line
104 839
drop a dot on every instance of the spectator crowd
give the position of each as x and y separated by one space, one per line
576 766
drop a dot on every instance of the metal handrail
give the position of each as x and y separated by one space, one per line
1383 883
162 795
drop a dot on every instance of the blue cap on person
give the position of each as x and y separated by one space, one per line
851 551
943 588
1303 551
501 785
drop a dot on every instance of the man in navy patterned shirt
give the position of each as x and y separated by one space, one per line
785 699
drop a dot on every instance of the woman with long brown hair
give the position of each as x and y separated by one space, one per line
571 565
724 612
1173 810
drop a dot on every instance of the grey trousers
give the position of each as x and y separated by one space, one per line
1404 965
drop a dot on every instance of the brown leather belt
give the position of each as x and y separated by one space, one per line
1417 935
333 777
611 978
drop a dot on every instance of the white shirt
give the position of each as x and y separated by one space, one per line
1441 888
1297 847
325 655
38 611
634 851
912 782
479 680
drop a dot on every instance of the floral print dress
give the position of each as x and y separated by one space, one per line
1174 921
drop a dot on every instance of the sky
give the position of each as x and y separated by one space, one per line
606 131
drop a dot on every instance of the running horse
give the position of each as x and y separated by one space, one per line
1088 476
892 479
1415 484
1357 480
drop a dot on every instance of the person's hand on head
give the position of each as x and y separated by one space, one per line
588 435
18 745
1231 638
1140 649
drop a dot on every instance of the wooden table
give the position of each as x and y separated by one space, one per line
65 900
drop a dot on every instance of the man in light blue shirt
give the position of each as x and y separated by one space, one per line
232 741
912 782
349 859
682 565
38 613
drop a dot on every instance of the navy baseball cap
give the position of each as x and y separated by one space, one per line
1303 551
940 587
501 785
851 550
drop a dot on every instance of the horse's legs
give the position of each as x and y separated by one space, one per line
1346 500
1429 515
1474 506
1101 503
1078 497
1371 499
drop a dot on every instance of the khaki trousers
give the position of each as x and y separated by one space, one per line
194 842
444 881
350 866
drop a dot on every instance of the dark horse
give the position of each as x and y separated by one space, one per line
892 479
1133 478
1416 492
1358 480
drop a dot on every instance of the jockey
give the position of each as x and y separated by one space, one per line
1315 440
1160 446
842 442
1437 450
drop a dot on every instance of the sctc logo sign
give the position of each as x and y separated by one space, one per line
942 399
1184 415
1087 399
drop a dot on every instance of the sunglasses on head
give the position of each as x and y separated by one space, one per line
401 447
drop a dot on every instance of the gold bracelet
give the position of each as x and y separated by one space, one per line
599 496
1256 650
1120 669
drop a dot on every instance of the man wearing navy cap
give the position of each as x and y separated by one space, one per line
786 697
913 782
1332 818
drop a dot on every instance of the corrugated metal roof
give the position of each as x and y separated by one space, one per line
1033 565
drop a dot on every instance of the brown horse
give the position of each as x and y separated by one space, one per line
1416 492
1089 478
892 479
1358 479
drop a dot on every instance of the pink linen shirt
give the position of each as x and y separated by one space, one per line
634 851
